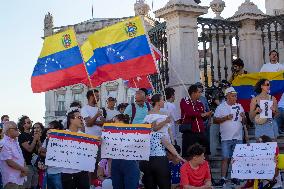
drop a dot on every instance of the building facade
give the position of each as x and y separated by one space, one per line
57 102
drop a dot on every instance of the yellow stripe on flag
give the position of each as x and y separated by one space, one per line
149 126
253 78
117 33
87 51
59 42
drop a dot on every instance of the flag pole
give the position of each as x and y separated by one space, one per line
154 58
182 82
89 79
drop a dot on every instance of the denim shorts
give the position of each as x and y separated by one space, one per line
228 147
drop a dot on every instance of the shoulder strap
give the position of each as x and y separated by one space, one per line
104 112
133 112
148 106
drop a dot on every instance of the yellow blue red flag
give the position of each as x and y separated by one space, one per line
119 51
244 85
60 63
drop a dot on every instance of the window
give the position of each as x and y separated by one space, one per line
77 97
61 102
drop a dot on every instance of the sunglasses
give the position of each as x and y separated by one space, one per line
15 128
267 84
79 117
29 122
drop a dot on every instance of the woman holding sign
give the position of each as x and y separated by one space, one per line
156 170
263 109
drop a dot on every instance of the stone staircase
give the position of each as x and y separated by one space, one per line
216 158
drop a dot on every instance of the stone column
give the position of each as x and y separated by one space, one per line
50 95
181 18
250 39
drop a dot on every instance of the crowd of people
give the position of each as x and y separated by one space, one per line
171 164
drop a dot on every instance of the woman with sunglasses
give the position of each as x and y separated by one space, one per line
263 126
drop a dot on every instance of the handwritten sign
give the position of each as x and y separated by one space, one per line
125 141
236 111
265 106
72 150
255 161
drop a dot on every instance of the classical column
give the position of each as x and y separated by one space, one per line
50 95
181 18
250 38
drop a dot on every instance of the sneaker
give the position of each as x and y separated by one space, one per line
235 181
221 183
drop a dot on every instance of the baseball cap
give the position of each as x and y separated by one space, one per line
230 90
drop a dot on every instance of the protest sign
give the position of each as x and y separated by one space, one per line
72 150
125 141
236 112
254 161
265 106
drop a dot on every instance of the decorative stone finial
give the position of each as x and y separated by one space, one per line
217 7
141 8
48 24
182 2
247 10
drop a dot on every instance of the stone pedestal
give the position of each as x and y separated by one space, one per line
250 39
274 7
181 18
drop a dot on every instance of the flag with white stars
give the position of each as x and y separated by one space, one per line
59 64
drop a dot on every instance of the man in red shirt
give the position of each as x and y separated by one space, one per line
192 120
195 174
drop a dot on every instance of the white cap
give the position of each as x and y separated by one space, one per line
230 90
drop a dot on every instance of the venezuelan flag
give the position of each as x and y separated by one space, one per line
119 51
60 63
127 128
244 85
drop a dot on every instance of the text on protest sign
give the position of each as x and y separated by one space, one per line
254 161
265 106
126 141
72 150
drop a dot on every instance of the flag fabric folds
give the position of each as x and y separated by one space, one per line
244 85
140 82
60 63
119 51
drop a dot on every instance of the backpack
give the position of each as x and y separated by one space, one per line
134 110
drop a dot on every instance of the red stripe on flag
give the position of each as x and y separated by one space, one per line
142 65
61 78
127 131
140 82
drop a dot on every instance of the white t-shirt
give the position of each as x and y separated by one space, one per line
111 114
171 110
229 129
268 67
90 111
150 118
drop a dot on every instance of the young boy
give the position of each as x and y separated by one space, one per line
196 172
175 165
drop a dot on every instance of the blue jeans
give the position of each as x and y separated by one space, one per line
54 181
228 147
125 174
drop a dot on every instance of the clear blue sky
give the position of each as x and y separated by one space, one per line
21 29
